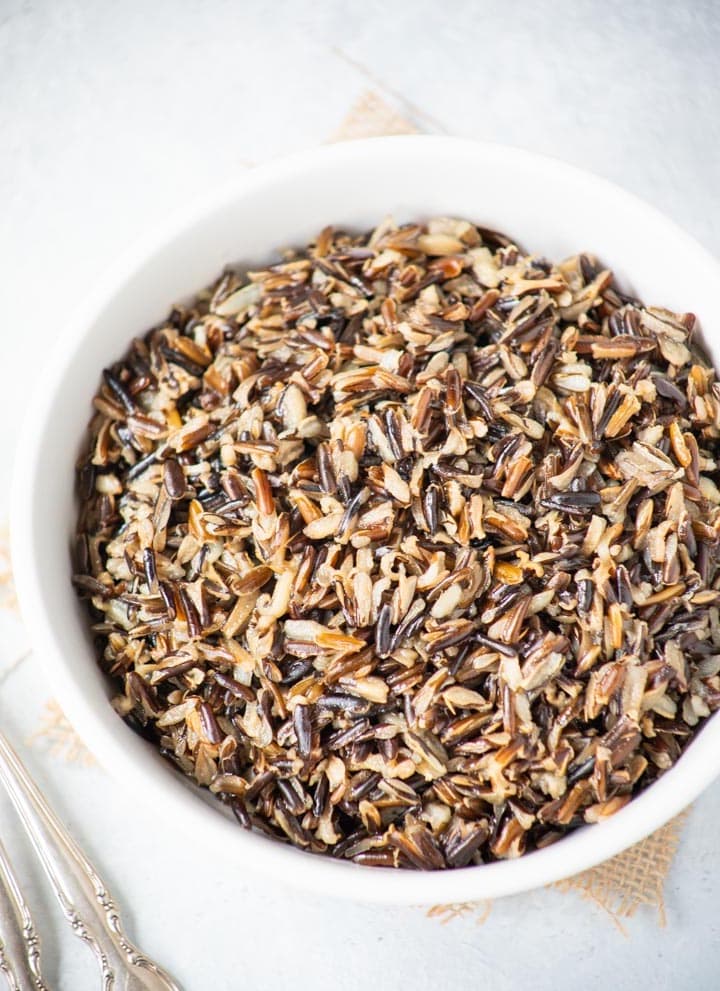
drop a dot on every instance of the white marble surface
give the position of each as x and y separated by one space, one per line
112 114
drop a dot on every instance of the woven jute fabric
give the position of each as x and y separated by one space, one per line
633 878
637 876
7 587
371 117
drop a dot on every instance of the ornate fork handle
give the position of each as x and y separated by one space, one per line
83 896
19 944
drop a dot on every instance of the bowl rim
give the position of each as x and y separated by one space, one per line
578 851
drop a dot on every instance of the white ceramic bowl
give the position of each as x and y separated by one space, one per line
551 208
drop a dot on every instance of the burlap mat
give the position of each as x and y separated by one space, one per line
8 599
637 876
620 886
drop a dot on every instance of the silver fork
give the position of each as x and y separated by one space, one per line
83 897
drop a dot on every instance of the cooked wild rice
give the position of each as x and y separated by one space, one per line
405 547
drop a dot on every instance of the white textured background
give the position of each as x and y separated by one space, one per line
111 114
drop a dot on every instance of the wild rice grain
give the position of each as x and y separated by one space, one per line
174 479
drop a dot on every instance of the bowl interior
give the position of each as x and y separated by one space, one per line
551 209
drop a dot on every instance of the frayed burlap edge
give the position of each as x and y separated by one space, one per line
56 735
371 117
8 599
633 878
